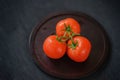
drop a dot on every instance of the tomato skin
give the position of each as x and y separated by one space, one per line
60 27
53 48
82 50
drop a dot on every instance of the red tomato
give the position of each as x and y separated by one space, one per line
53 48
80 50
67 25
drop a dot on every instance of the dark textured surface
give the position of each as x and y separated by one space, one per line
18 17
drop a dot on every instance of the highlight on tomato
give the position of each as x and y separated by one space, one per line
53 47
78 49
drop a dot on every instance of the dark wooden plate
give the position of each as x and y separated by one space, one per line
64 67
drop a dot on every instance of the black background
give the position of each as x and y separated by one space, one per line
18 18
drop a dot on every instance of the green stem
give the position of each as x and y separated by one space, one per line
62 38
65 34
73 45
58 38
74 34
71 38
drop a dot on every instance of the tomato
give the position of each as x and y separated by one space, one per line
67 25
79 50
53 48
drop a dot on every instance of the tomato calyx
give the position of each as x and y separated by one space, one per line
67 28
73 45
69 31
58 38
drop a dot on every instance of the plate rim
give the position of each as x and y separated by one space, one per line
47 18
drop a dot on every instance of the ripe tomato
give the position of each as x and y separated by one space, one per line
80 50
67 25
53 48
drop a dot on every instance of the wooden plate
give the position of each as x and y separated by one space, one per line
64 67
